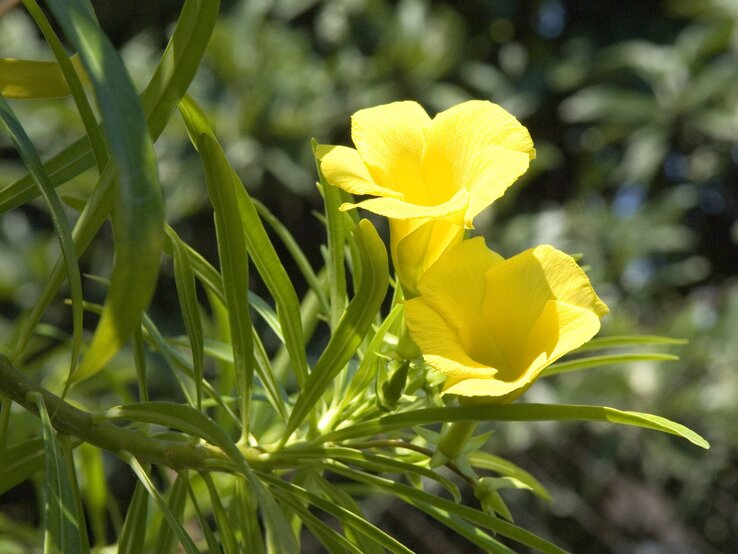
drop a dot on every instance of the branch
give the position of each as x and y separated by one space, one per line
69 420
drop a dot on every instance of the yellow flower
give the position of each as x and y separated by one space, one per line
430 177
492 325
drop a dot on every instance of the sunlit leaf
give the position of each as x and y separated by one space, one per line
354 323
514 412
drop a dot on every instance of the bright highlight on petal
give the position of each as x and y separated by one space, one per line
420 169
492 325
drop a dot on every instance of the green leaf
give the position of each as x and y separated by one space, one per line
328 537
139 210
280 538
89 222
246 517
627 340
597 361
274 391
75 78
23 79
170 82
344 499
262 251
367 370
176 502
354 323
484 460
64 527
467 530
381 463
32 161
183 365
229 227
206 273
223 524
184 279
20 461
94 489
345 516
513 412
179 63
212 542
184 539
133 534
416 497
336 240
294 249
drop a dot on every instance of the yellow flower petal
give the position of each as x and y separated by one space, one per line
504 168
417 244
389 139
560 328
344 168
455 286
518 292
472 126
475 145
441 346
493 388
449 168
492 325
567 281
394 208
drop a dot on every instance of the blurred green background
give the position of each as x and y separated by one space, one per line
633 107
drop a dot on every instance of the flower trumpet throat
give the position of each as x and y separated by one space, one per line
430 177
492 325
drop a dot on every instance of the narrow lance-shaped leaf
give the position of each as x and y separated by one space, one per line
627 340
138 215
345 516
262 251
177 498
294 249
169 83
64 529
32 160
94 489
228 537
184 279
20 461
233 265
336 240
184 539
75 78
598 361
415 496
328 537
133 534
212 542
345 500
367 369
23 79
183 418
352 327
484 460
513 412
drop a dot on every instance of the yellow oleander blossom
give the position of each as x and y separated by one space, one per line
492 325
430 177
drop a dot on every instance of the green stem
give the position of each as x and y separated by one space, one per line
69 420
453 440
406 347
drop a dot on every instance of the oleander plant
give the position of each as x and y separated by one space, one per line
276 417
